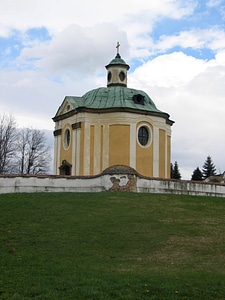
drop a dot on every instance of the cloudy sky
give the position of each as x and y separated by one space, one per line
175 48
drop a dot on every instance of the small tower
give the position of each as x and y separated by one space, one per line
117 71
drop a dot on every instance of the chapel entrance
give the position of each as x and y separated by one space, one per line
65 168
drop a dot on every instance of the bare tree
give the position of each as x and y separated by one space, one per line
7 139
33 154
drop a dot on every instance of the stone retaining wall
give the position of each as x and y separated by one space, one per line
107 181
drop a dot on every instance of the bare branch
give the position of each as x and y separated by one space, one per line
33 153
7 142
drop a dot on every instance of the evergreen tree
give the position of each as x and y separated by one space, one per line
176 172
197 175
171 171
208 168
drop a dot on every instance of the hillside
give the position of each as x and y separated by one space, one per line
111 246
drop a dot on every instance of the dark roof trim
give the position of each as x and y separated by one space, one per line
64 116
116 84
117 65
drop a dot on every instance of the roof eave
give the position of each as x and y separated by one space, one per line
112 110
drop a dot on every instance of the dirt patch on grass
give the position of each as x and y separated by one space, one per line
182 250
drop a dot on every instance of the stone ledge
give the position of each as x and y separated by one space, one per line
119 179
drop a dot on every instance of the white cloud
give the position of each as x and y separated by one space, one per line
212 38
77 49
169 70
192 92
56 16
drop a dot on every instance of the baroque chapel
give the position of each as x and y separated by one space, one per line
112 126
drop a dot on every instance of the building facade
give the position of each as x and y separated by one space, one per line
109 126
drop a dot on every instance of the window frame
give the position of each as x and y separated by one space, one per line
140 137
67 138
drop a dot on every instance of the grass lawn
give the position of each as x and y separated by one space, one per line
111 246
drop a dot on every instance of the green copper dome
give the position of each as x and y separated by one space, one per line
115 97
119 97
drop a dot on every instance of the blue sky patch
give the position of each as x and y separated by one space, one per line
11 47
40 34
203 53
204 17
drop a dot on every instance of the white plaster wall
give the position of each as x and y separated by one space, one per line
49 184
179 187
30 184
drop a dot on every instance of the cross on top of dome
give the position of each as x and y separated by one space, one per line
117 47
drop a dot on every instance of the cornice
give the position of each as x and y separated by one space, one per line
113 110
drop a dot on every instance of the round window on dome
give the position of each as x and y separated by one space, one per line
143 135
66 138
139 99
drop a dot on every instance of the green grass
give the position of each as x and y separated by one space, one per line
111 246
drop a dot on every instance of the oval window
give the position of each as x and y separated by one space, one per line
122 76
67 138
143 135
109 76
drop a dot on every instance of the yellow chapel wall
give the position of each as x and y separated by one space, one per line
119 144
66 154
92 157
105 145
162 153
102 149
74 154
106 140
82 155
168 155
